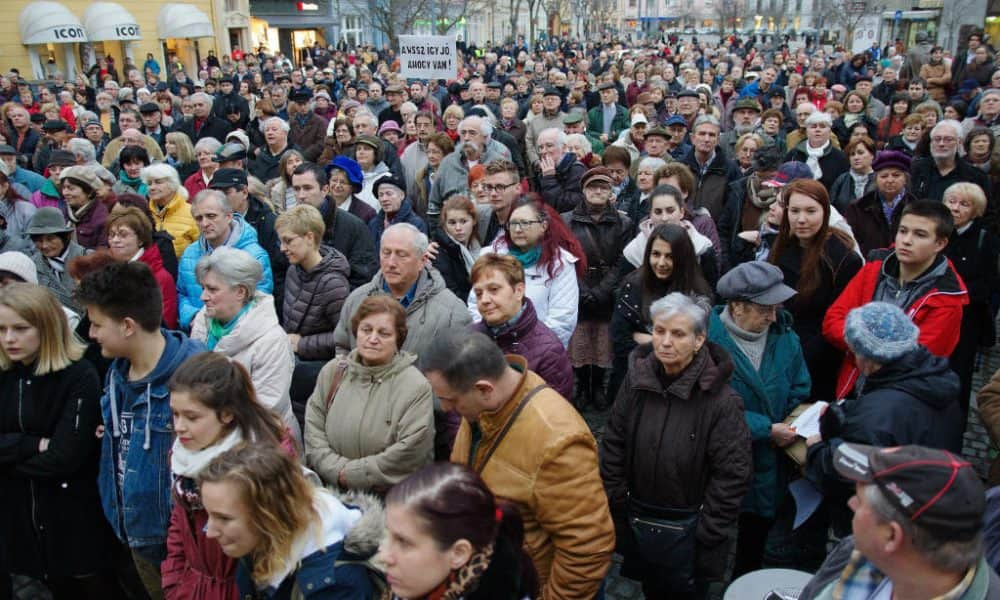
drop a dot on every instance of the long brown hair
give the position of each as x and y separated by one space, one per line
224 386
814 252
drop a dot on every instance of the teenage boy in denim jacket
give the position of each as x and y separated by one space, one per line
124 306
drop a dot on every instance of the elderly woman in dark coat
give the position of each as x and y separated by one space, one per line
867 214
603 232
973 250
677 445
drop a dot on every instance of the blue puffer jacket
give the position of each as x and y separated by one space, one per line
139 432
769 396
243 237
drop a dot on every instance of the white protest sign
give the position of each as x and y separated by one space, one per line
865 33
427 56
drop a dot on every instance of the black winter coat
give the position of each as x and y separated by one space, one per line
833 164
838 266
681 443
351 236
603 243
867 221
451 266
214 127
563 191
912 400
261 217
927 182
312 303
712 187
51 521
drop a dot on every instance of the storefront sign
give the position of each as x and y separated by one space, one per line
69 34
427 56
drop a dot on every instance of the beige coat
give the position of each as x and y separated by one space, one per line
379 427
260 344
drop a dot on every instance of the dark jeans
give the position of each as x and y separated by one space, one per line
750 544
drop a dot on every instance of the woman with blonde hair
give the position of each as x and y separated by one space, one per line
180 154
281 193
52 526
262 510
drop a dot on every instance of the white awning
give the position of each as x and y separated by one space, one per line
183 21
110 21
49 23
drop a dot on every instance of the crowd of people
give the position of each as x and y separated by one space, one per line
321 331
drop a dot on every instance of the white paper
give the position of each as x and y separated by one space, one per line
807 499
807 424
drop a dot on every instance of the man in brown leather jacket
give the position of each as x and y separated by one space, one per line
532 448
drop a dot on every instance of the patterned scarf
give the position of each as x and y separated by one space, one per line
461 582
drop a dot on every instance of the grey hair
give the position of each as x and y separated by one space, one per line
695 308
216 195
485 127
954 556
818 117
706 120
492 118
651 162
203 96
83 150
954 125
559 133
209 143
582 140
283 124
236 267
366 114
161 171
420 241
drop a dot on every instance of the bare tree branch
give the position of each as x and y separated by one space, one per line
849 13
392 17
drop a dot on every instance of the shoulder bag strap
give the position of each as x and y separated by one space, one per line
510 423
338 378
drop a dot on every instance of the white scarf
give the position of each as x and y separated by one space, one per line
814 155
189 463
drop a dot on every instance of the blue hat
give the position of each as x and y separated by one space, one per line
881 332
675 120
789 172
351 168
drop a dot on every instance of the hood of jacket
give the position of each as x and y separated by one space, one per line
710 370
257 322
331 261
362 540
178 348
919 374
357 370
429 284
241 236
940 278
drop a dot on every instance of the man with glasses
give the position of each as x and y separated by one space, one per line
931 176
503 185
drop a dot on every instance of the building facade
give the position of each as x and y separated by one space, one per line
41 38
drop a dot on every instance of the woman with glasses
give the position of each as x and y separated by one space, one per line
552 258
130 238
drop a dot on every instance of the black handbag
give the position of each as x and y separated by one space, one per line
664 537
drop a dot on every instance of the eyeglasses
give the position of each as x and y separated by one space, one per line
944 140
520 225
490 188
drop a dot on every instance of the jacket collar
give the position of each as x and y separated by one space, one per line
490 423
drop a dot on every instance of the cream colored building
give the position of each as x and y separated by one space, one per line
42 37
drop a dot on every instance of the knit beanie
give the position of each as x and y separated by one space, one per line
19 264
881 332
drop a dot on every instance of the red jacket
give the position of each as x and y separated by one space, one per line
168 288
938 315
195 567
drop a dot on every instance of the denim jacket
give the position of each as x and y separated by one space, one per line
139 512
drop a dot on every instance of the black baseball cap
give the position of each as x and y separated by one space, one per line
149 108
937 490
55 125
228 178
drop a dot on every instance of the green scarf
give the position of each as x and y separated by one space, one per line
218 330
49 189
527 258
136 184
